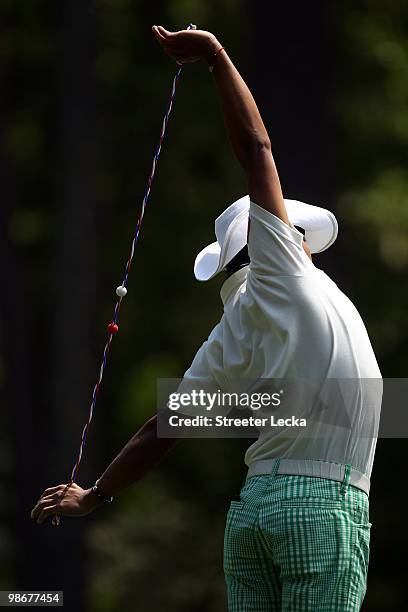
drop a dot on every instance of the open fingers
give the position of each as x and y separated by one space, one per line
35 512
41 504
157 33
54 497
166 37
161 35
51 500
52 490
51 495
47 511
165 33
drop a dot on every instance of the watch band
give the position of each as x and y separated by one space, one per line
96 489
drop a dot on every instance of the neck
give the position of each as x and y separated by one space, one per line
231 270
240 260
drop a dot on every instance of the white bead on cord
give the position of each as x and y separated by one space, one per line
121 291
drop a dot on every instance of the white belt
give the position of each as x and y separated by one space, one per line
311 467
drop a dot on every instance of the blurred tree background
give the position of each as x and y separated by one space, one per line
84 86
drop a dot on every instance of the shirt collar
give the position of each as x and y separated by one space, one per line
232 283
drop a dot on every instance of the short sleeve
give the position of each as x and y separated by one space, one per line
274 247
205 377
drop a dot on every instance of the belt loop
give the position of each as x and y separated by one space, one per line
346 479
275 468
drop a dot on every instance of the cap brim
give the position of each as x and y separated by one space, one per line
212 259
320 224
207 262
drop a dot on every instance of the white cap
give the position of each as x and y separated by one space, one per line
231 229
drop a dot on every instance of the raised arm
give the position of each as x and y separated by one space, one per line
246 130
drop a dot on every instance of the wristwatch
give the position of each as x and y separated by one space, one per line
96 489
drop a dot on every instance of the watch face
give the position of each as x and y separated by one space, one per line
98 493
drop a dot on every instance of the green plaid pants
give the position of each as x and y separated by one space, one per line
297 544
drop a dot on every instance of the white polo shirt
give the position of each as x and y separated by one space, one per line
284 318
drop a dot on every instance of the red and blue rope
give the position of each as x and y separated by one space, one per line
122 289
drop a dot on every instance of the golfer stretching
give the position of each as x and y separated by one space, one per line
298 537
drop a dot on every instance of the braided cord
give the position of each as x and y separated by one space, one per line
112 327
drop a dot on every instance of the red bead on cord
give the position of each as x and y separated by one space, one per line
113 328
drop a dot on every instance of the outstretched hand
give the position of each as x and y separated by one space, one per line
186 45
75 502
